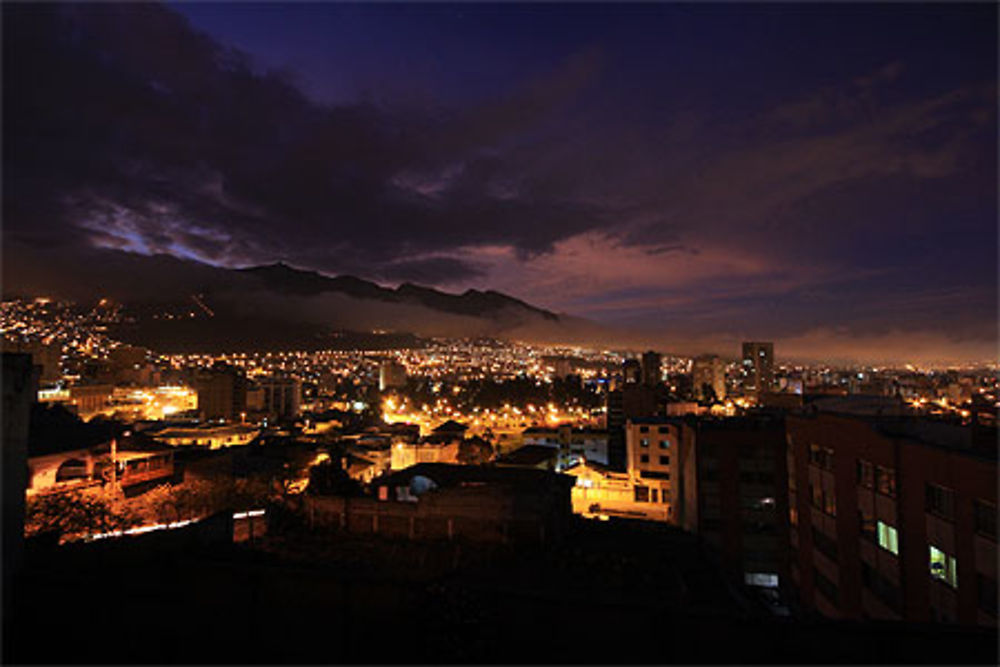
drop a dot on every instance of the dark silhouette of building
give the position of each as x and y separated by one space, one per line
222 393
735 495
631 371
651 363
758 368
708 374
894 518
20 391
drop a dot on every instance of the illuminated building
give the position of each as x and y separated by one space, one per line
573 443
758 368
405 455
893 518
653 447
735 496
651 363
391 374
212 437
90 467
709 377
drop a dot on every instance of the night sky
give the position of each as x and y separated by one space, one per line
824 176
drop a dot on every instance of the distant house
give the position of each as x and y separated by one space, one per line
210 437
541 457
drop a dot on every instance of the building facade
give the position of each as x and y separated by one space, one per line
893 518
758 368
708 374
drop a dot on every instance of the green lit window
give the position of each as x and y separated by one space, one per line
888 538
943 566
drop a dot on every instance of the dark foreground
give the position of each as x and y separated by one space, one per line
606 594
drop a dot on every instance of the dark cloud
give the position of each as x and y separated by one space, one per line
132 130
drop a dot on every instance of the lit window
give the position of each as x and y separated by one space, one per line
943 567
664 444
888 538
644 442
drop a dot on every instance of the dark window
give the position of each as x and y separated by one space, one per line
765 478
866 474
642 494
885 481
986 518
643 429
709 476
656 496
882 588
644 458
940 501
826 587
664 460
866 525
987 594
663 429
824 544
711 524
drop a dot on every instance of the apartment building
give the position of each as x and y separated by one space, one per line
893 518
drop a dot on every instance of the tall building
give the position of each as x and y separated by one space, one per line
735 496
222 393
391 374
46 357
631 371
708 374
282 397
893 518
758 368
20 389
651 363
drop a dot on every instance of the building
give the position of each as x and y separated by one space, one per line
708 373
758 368
281 397
47 357
20 388
404 455
631 401
135 468
651 364
654 447
573 444
211 437
222 393
893 518
391 374
541 457
734 492
631 371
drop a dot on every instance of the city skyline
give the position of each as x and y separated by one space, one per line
696 175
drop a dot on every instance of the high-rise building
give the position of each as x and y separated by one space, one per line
709 377
391 374
735 496
282 397
631 371
222 393
758 368
893 518
651 363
